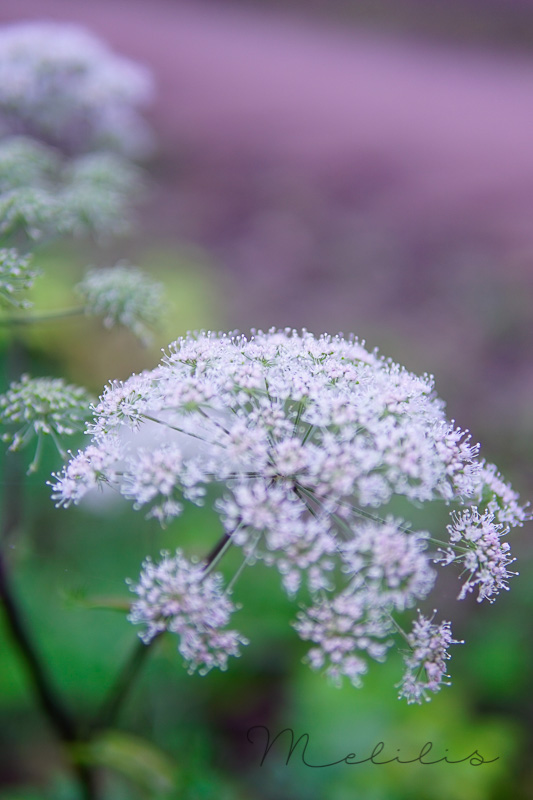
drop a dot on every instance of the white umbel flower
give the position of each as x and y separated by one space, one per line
308 444
59 83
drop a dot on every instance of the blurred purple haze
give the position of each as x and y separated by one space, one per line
348 179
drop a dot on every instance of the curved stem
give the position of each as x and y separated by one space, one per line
59 717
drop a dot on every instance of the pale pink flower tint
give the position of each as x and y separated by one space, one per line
307 447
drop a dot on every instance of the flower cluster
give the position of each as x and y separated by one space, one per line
26 162
62 85
426 661
177 595
476 544
344 628
16 276
38 407
312 445
97 194
122 295
41 194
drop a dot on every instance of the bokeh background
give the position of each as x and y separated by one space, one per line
339 166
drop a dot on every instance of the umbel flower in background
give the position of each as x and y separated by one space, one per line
311 445
42 194
60 84
123 295
39 407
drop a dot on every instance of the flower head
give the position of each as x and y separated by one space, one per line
426 661
475 542
38 407
345 629
177 595
41 194
97 193
122 295
26 162
308 444
61 84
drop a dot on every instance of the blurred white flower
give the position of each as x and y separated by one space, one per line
59 83
43 195
123 295
26 162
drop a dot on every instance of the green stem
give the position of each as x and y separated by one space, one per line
45 316
49 700
59 718
111 706
217 550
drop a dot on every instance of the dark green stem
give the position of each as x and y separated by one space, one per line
49 700
118 693
217 549
50 703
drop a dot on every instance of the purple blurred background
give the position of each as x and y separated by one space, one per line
362 169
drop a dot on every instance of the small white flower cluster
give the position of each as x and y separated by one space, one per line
476 540
62 85
90 469
177 595
39 407
388 562
123 295
345 628
426 661
16 276
26 162
41 195
97 194
312 444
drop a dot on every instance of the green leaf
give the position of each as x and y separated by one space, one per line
135 758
